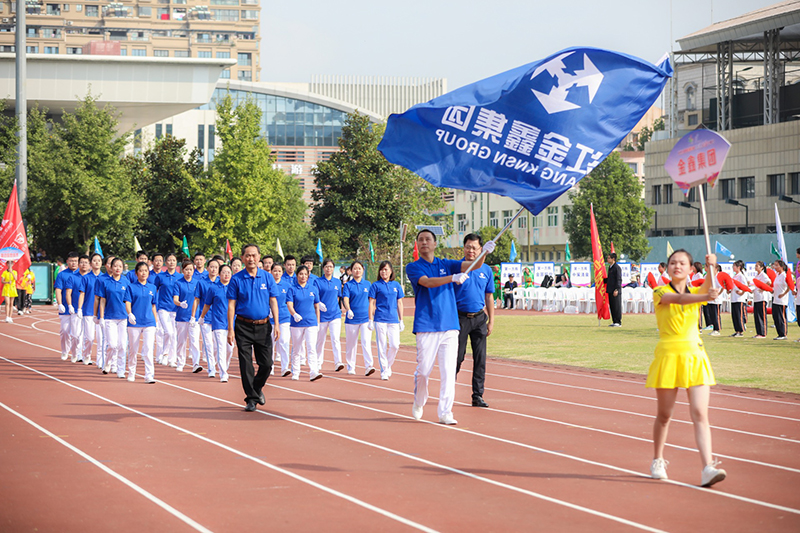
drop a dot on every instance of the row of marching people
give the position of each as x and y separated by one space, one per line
170 311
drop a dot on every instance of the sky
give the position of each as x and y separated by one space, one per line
468 40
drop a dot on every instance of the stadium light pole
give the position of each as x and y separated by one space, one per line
690 206
789 199
22 107
730 201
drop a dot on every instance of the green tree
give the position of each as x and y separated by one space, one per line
502 248
619 208
361 196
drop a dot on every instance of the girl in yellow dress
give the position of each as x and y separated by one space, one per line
681 361
9 279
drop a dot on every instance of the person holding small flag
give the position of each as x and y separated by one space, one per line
780 290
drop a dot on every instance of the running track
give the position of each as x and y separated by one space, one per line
561 449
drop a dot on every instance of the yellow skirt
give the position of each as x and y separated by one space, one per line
10 290
680 363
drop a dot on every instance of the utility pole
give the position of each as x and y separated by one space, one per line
22 108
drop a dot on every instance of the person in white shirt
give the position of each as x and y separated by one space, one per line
780 289
738 299
760 301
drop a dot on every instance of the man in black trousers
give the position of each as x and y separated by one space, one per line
614 290
475 303
251 294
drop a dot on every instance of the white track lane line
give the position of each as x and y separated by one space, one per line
185 431
352 499
161 503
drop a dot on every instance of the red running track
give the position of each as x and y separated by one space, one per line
559 449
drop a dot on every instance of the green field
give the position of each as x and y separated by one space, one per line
577 340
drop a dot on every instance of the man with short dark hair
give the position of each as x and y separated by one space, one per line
289 266
252 293
63 282
266 262
508 292
141 257
614 290
475 303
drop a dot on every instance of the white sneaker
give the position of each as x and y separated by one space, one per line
87 362
369 371
351 372
74 358
384 377
149 380
178 368
295 378
315 376
416 411
712 474
64 356
658 470
131 378
448 420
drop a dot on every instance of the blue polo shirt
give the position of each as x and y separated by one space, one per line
142 298
151 278
252 293
116 294
185 291
283 312
200 275
386 295
329 293
216 296
203 286
88 288
63 282
303 299
132 277
435 308
358 292
471 295
75 283
165 283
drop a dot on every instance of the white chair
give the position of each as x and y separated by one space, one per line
591 306
530 298
583 299
559 300
640 299
627 300
571 296
518 297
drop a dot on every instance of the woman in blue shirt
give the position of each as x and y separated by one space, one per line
280 348
183 293
386 316
356 305
216 299
166 340
302 300
330 317
141 308
113 316
203 286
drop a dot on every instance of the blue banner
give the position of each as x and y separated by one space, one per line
530 133
97 248
513 253
319 249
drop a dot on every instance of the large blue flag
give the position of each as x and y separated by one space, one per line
530 133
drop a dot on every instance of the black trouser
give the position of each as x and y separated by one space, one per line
476 329
713 316
707 316
508 300
779 318
253 339
760 314
737 314
615 304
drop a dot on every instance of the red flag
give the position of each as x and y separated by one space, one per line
600 296
612 247
416 252
12 234
228 249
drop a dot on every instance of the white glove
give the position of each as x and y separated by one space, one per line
402 326
71 310
371 325
102 322
80 313
460 278
201 320
489 247
184 305
297 317
323 307
192 322
350 314
132 318
96 320
62 309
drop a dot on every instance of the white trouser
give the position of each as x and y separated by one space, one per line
441 345
101 346
387 332
115 347
193 336
169 338
304 337
280 349
351 332
148 336
209 348
88 338
159 339
65 333
223 350
75 336
334 329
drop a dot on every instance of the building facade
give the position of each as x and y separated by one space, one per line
218 29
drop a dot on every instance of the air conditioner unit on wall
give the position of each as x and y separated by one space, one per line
5 20
473 197
69 23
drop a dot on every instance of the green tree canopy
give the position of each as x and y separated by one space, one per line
619 208
502 249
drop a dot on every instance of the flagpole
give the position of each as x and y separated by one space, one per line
705 229
496 238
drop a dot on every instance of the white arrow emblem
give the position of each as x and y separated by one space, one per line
556 100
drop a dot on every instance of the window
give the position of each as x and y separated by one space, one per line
558 256
244 59
7 48
634 167
692 119
245 75
123 51
230 15
224 2
794 183
118 35
160 53
211 142
179 13
51 49
33 32
551 256
92 11
53 9
181 53
223 55
225 74
668 233
777 184
139 52
493 222
169 129
137 142
522 222
692 196
507 217
158 131
727 189
203 37
204 53
201 138
65 7
145 11
51 33
750 229
689 231
667 197
248 14
32 49
162 13
747 187
461 220
656 194
691 101
552 217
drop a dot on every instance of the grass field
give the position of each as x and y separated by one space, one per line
577 340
